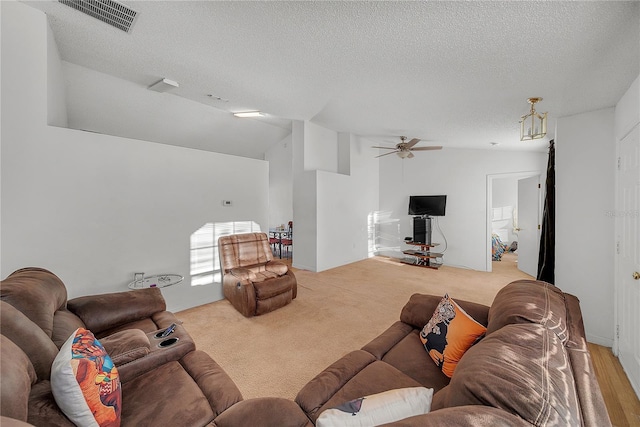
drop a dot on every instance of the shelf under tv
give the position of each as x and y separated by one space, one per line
422 257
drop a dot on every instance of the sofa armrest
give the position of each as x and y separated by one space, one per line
420 308
265 412
243 274
126 346
277 267
156 355
463 416
240 293
317 392
214 383
106 311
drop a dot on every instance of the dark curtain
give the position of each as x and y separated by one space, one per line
547 256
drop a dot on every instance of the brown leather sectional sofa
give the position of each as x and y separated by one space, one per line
532 368
172 386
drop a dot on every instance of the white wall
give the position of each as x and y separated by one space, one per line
330 205
94 208
345 203
320 148
56 96
462 175
585 158
280 158
305 250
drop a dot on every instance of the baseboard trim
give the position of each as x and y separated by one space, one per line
595 339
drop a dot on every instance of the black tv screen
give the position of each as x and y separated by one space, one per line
427 205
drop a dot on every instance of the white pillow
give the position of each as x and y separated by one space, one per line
377 409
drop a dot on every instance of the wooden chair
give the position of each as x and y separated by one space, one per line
287 241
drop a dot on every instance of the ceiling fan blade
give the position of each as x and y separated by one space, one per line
385 148
386 154
433 147
413 142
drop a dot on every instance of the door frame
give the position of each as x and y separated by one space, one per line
490 179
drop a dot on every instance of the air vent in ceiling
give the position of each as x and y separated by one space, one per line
109 11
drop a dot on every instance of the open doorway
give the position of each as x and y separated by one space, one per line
513 199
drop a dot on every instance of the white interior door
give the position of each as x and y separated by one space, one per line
528 227
628 260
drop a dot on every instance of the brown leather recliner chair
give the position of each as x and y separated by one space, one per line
252 281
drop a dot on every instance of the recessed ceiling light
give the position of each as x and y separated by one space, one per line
249 114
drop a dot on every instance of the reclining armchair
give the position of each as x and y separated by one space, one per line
252 281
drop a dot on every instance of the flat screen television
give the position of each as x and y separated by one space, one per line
427 205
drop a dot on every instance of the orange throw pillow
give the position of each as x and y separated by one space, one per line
449 334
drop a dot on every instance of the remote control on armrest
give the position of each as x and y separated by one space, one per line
168 331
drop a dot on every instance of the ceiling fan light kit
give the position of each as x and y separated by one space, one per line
533 125
404 149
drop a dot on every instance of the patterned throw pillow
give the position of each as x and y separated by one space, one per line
449 334
85 383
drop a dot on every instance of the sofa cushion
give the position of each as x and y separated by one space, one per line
409 357
468 416
521 368
29 337
37 293
85 383
529 301
190 392
126 346
244 250
98 313
377 409
18 376
270 288
354 375
263 275
418 310
449 334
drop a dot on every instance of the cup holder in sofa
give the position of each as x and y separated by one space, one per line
168 342
159 335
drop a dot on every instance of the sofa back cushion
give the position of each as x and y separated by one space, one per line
418 311
244 250
530 301
29 338
108 311
521 368
36 292
18 376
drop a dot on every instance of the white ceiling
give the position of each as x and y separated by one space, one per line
456 74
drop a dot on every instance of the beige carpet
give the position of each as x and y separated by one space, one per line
336 311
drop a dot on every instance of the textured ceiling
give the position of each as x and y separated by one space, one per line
456 74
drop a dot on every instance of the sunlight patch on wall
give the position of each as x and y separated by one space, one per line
205 261
384 233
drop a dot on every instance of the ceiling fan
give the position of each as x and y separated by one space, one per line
404 149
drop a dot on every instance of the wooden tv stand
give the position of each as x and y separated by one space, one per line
422 256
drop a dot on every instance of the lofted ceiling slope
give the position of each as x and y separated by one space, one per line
455 74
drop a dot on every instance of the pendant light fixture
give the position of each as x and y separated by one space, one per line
533 125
